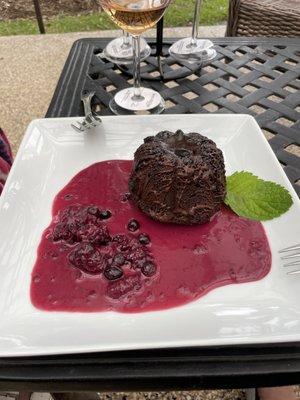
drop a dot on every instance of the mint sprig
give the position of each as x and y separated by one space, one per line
254 198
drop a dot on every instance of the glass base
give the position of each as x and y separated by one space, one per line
119 53
125 102
202 51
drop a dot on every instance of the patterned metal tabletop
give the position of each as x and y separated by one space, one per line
256 76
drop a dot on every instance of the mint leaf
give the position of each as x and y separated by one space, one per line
253 198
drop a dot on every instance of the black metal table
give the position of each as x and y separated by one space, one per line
255 76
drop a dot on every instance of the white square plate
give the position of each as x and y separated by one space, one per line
50 155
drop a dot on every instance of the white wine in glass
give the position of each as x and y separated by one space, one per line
135 17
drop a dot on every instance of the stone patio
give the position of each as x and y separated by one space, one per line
199 395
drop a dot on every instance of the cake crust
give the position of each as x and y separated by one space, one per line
178 178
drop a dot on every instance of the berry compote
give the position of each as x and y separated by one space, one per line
101 253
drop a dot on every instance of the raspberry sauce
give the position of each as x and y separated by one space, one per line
101 253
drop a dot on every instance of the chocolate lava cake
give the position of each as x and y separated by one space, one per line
178 178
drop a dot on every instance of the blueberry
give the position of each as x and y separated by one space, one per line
133 225
144 239
105 214
112 273
148 269
119 259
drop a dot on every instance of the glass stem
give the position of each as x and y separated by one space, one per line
126 41
136 69
195 30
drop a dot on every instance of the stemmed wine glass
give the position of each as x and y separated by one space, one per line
120 50
193 49
135 17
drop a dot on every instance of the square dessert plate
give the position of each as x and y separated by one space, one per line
51 154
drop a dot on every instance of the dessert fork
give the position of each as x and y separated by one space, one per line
293 258
91 119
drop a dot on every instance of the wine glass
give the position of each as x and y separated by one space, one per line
135 17
120 50
193 49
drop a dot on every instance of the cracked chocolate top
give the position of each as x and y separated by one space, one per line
178 178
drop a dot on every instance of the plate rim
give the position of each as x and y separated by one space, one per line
158 344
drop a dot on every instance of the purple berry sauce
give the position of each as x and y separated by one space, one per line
101 244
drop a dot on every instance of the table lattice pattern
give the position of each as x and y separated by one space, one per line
260 77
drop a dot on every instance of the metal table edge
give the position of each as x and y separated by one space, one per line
160 369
